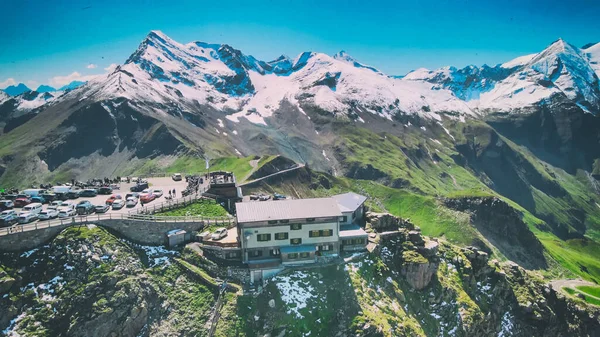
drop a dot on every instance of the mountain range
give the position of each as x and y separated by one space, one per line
502 161
199 100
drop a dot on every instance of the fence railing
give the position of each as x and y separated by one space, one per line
168 204
85 219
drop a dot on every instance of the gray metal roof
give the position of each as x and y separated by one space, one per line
350 201
287 209
348 231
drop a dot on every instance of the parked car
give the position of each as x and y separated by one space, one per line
254 197
219 233
27 217
65 212
157 193
263 197
22 200
112 198
55 204
139 187
101 208
34 192
134 194
6 204
84 208
89 192
118 204
38 199
131 202
115 186
34 208
61 196
8 218
10 197
48 214
73 194
176 177
105 190
49 197
148 197
278 196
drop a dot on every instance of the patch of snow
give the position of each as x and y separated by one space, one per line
221 125
29 253
295 291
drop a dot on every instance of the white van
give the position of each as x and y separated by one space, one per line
55 204
67 204
33 208
61 189
27 217
34 192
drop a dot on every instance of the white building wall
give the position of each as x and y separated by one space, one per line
250 241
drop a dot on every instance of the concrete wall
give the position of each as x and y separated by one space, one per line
139 231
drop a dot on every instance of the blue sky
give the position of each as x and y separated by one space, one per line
53 42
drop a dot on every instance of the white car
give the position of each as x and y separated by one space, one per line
8 215
48 214
118 204
131 202
66 212
157 193
27 217
55 205
219 233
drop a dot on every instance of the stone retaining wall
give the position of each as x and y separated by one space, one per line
138 231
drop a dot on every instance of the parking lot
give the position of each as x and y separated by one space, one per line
165 184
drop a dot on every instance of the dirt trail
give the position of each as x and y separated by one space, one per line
559 284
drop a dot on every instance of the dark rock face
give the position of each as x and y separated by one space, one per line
561 134
502 225
417 257
94 129
520 303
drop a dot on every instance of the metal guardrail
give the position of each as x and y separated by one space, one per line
168 204
86 219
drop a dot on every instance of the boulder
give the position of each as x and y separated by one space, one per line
382 222
417 270
416 238
430 248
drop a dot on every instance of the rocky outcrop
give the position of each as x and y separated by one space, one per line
416 257
382 222
503 226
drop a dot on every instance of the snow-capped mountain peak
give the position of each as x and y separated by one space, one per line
343 56
593 55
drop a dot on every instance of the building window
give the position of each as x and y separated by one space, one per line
344 218
319 233
281 236
295 226
296 241
232 255
326 247
275 252
263 237
284 221
272 222
359 241
310 219
255 253
304 255
292 256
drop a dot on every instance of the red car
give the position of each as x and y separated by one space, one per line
146 198
112 198
22 200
